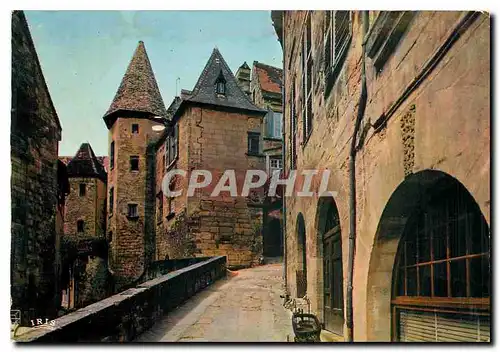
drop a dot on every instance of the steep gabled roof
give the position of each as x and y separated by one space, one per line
138 91
270 77
204 90
86 164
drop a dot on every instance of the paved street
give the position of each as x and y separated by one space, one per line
244 307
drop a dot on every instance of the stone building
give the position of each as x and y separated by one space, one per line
397 106
263 84
266 93
214 127
38 183
130 209
86 271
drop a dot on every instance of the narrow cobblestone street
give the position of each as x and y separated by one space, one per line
244 307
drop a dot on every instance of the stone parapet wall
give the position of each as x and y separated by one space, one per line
124 316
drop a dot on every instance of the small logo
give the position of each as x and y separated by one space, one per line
40 323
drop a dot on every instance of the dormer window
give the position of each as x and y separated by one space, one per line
220 84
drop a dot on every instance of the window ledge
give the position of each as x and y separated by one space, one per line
133 217
258 155
274 139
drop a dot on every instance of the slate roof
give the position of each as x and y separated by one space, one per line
270 77
138 90
86 164
103 160
204 90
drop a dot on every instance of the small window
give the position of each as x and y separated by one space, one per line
111 199
134 163
79 226
112 155
220 84
132 211
275 163
135 128
159 207
253 143
82 189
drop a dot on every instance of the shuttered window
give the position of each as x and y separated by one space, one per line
338 34
418 326
293 128
307 79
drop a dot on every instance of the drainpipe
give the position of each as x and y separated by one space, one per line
352 187
283 153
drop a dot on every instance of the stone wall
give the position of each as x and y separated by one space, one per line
90 208
122 317
35 134
203 225
128 235
450 133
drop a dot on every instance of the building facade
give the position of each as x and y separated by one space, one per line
129 119
266 93
38 183
85 277
214 127
396 105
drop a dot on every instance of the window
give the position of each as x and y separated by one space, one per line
111 199
80 226
220 84
171 145
110 236
307 94
135 128
159 207
337 39
163 163
132 211
273 124
293 127
112 155
82 189
253 143
170 208
275 163
443 266
134 163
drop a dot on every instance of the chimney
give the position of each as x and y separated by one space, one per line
243 77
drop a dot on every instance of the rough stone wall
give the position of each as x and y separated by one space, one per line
93 282
173 243
450 133
128 234
35 133
83 208
203 225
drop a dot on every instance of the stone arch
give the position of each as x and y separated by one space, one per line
301 270
403 202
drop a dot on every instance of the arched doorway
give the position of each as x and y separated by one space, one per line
273 246
333 288
439 286
301 271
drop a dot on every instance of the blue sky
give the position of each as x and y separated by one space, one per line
84 55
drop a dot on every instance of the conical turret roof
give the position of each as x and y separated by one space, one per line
138 91
86 164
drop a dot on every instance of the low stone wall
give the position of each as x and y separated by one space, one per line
124 316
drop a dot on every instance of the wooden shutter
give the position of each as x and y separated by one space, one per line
419 326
